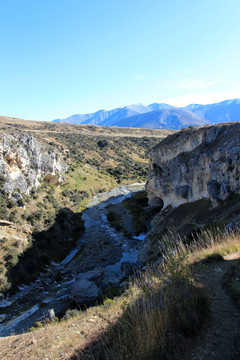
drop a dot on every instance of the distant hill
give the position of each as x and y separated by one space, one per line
224 111
161 115
111 117
163 119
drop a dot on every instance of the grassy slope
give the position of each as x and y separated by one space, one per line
142 323
160 307
99 159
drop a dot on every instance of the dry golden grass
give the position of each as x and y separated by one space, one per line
213 244
10 123
59 340
170 302
138 324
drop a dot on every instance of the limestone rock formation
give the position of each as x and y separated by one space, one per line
194 164
24 162
193 182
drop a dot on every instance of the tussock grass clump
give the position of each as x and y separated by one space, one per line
162 306
214 245
168 305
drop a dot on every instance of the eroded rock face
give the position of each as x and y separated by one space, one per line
194 181
195 164
24 162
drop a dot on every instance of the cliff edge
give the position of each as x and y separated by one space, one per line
24 163
194 164
193 182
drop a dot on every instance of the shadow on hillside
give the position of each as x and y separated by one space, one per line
159 326
150 326
50 245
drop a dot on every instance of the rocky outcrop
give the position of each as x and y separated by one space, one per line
194 164
24 163
193 182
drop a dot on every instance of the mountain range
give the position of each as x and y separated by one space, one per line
161 115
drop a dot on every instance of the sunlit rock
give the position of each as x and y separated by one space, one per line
195 164
24 163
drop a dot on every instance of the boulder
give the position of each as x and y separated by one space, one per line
85 292
18 199
94 275
51 315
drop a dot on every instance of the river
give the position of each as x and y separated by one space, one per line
100 247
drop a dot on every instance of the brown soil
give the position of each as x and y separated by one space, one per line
218 336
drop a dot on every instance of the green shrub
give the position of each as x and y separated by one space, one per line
3 179
4 284
3 240
11 257
71 313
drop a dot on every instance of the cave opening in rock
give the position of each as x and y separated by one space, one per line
156 203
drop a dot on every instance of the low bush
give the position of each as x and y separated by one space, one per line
71 313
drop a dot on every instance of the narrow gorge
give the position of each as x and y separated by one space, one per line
81 259
101 260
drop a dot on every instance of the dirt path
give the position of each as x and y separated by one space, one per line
216 340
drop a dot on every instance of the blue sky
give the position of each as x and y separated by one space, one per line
62 57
